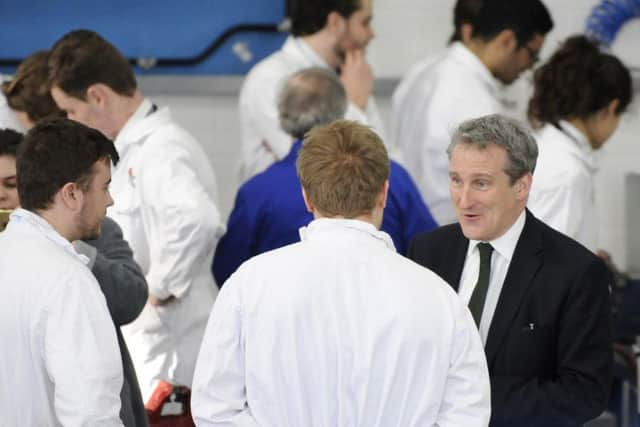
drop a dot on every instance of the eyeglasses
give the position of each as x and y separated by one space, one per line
534 56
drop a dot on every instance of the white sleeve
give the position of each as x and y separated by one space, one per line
467 396
263 140
219 389
82 355
181 219
370 117
563 207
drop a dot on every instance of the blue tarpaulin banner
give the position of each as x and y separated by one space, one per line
150 30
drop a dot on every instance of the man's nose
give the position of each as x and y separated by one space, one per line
464 197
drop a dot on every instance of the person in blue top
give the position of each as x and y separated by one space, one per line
269 209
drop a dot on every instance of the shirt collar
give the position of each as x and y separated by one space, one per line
505 245
141 112
295 148
581 143
325 226
42 226
462 54
301 48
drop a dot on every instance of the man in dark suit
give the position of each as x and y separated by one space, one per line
540 299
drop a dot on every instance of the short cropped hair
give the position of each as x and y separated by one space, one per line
464 12
525 18
28 91
521 147
57 152
83 58
342 168
310 16
310 97
577 81
9 142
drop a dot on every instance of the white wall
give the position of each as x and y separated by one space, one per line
406 31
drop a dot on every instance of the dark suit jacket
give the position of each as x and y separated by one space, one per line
549 345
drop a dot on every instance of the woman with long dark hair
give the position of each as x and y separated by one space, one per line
579 96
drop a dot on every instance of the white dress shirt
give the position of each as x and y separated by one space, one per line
263 140
60 364
503 248
339 330
562 194
164 193
436 97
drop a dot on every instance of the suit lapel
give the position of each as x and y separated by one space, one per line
455 256
524 265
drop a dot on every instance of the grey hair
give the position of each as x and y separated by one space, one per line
521 147
310 97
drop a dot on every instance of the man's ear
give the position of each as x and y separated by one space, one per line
307 202
336 24
612 107
71 196
98 95
381 199
523 186
506 40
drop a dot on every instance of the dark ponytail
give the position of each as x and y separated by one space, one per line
576 82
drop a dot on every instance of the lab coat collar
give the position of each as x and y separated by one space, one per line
463 55
139 125
580 146
298 47
40 225
336 228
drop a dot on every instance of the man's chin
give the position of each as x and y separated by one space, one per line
92 235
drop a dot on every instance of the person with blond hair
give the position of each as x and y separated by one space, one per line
339 329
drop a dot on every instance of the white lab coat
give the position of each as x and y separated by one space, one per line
60 364
164 195
339 330
263 140
437 96
562 194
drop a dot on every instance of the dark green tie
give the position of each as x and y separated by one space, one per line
476 303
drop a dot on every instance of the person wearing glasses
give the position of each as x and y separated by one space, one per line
463 83
579 96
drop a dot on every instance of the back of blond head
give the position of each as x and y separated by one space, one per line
343 167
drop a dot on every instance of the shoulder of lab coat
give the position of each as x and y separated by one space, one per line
87 388
562 189
178 193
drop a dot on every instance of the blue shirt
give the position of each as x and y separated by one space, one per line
269 211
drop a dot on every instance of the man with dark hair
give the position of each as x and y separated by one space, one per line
165 193
269 209
61 363
540 299
463 83
325 33
110 257
339 329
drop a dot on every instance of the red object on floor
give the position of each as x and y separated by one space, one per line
169 406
